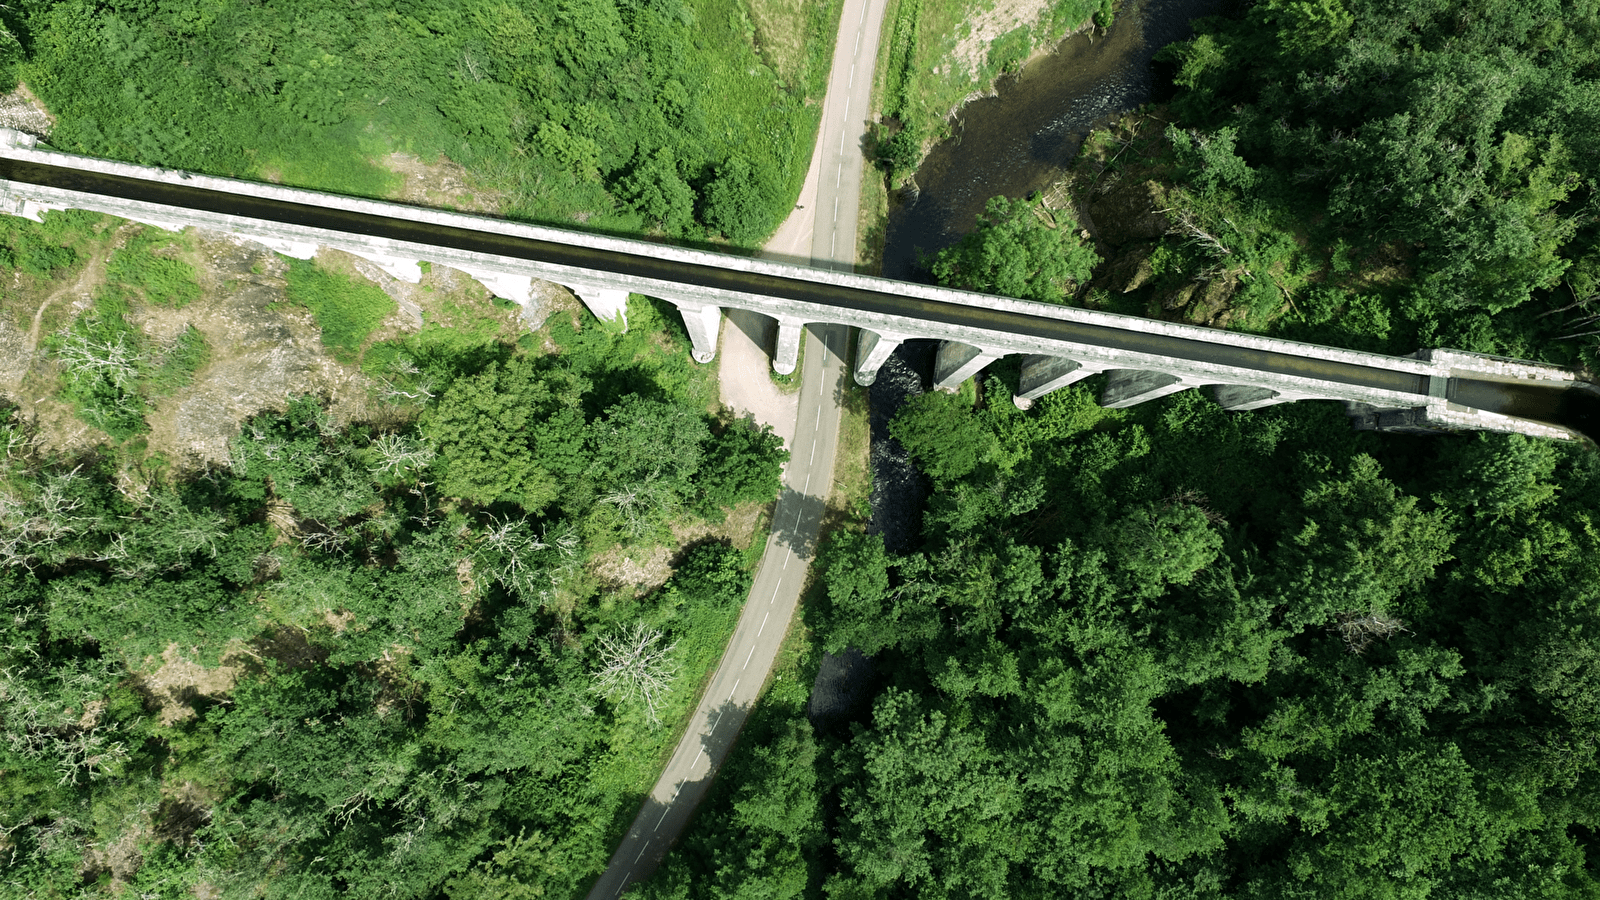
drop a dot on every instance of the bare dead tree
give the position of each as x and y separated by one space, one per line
518 559
1186 223
55 715
325 540
634 667
31 526
640 504
394 454
1198 500
1361 630
115 359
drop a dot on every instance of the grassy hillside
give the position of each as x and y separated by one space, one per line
692 117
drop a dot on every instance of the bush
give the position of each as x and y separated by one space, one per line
103 359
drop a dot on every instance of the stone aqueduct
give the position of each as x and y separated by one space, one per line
1141 358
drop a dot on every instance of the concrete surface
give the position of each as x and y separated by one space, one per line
701 284
742 367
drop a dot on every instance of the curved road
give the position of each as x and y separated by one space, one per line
822 232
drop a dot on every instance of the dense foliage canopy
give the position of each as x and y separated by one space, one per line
1457 143
368 661
1177 652
1174 652
1018 249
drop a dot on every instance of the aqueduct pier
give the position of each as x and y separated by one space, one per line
1142 359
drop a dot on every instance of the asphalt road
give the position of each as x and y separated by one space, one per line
828 208
762 625
846 111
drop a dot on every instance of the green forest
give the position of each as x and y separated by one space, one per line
1171 652
689 118
1179 653
1165 653
372 660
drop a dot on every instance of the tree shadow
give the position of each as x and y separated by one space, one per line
658 826
789 520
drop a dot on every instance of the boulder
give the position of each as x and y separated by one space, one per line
1213 303
1178 297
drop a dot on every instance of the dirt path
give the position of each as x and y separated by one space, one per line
742 366
11 378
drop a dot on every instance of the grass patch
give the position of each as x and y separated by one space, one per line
851 499
923 81
872 226
796 40
138 269
751 99
348 309
43 249
177 366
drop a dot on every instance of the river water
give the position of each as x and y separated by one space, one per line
1021 139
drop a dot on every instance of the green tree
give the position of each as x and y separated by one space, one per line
943 435
741 465
1020 250
483 431
738 201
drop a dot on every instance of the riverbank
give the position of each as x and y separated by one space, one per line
941 54
1025 136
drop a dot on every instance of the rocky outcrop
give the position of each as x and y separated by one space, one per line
1130 270
1211 306
1130 213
